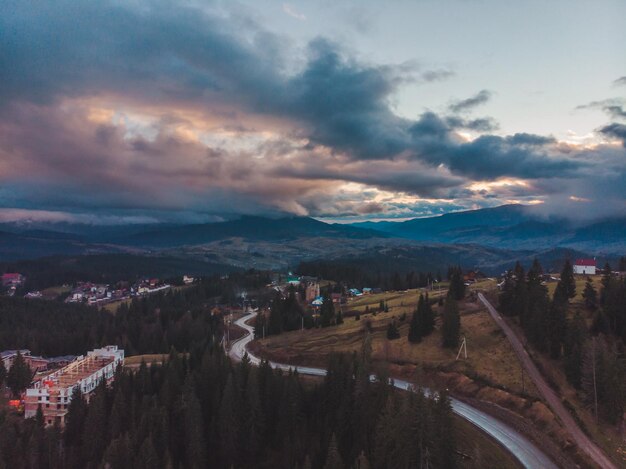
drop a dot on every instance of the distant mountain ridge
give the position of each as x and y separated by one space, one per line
508 227
511 227
248 227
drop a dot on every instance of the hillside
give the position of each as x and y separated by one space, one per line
511 227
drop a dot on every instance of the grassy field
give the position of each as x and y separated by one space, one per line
135 361
490 357
54 292
580 286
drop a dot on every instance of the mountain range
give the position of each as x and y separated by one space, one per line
511 227
486 238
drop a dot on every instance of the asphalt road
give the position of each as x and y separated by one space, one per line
526 452
548 393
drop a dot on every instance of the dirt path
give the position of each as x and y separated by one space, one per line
580 438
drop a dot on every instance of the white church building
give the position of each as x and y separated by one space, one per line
585 266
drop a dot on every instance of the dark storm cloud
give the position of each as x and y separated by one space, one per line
197 57
470 103
615 130
489 156
223 65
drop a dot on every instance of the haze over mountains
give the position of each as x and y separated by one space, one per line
489 239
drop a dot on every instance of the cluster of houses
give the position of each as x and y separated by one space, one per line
311 290
11 281
355 292
98 294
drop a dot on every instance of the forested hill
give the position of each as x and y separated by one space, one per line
153 324
249 227
205 412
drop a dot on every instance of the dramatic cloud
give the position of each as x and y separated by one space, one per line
134 109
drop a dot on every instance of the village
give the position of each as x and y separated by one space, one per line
90 293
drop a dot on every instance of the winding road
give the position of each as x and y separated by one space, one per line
555 403
525 451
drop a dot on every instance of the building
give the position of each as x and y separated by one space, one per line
293 280
585 266
12 279
54 391
34 362
187 280
312 291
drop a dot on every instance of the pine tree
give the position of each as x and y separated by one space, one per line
415 328
590 295
445 439
567 280
557 322
392 331
519 303
228 427
260 326
94 440
456 290
537 312
75 420
427 322
195 452
574 349
604 379
148 457
327 313
19 375
451 327
333 458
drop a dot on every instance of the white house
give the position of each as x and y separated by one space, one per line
585 266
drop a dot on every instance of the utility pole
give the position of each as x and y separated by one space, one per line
462 347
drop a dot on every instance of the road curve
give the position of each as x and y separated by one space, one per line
526 452
555 403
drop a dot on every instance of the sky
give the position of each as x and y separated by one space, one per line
192 111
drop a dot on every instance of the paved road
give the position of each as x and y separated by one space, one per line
526 452
548 393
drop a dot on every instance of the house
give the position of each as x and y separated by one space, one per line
12 279
187 280
317 302
354 292
585 267
293 280
312 291
53 392
33 294
35 363
367 291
